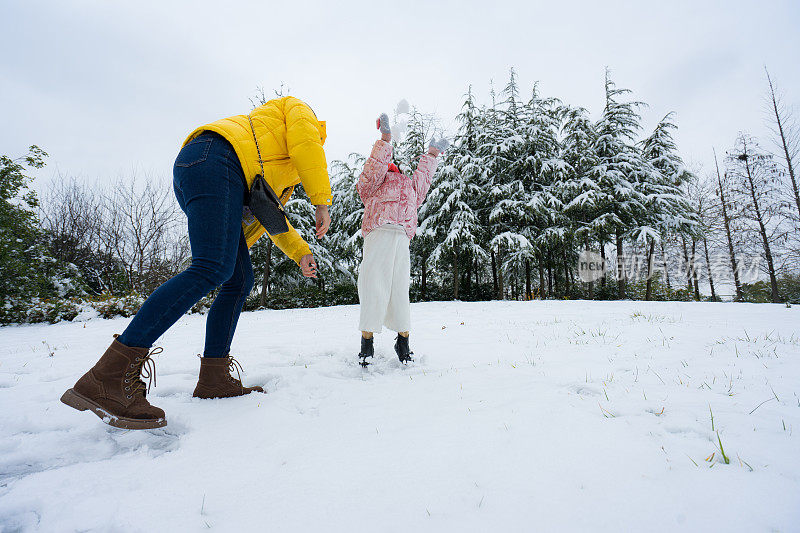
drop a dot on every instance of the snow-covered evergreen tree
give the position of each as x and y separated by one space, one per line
448 218
539 170
498 147
573 186
347 210
576 186
301 215
616 195
509 213
419 130
406 150
667 208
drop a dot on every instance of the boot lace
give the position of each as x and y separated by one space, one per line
233 364
141 367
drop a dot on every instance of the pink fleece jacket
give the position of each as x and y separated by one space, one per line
391 197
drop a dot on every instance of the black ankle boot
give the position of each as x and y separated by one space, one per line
402 350
367 350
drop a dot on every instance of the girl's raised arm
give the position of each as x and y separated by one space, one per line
377 165
426 168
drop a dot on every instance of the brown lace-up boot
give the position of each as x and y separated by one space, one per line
114 391
216 380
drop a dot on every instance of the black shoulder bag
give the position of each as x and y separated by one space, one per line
264 204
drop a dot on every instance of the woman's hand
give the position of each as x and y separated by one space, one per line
323 220
308 266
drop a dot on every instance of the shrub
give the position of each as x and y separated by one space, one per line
305 296
760 291
52 310
109 306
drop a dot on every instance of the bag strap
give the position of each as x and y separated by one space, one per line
258 150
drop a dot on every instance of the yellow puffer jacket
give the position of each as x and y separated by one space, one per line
290 139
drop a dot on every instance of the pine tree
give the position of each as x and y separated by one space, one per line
500 147
617 198
539 170
406 150
301 214
515 245
347 210
667 209
493 181
575 186
448 218
420 129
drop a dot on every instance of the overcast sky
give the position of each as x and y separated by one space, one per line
111 87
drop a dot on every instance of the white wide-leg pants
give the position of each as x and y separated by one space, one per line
383 280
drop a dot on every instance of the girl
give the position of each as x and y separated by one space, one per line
391 200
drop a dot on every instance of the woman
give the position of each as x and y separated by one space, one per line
218 163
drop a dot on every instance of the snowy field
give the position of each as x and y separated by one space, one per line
534 416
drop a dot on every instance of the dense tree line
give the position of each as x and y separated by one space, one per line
528 184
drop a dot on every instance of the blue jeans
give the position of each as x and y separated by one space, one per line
210 187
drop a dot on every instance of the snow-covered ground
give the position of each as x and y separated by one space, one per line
534 416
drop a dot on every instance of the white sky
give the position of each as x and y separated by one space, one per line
109 87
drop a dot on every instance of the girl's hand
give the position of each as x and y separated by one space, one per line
323 220
437 147
383 124
308 266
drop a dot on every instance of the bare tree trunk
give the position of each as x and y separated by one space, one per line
571 273
763 230
494 277
468 277
603 256
689 265
727 221
528 294
694 270
708 267
620 268
424 280
779 120
455 275
500 281
648 294
262 301
568 289
542 293
591 283
666 268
